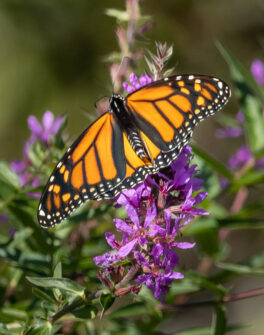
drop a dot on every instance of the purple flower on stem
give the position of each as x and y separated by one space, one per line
240 117
242 156
229 132
49 127
257 70
42 133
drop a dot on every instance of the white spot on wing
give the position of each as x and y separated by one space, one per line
220 84
41 213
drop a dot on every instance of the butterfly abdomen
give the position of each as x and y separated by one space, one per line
128 124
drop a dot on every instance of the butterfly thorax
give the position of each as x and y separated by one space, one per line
128 124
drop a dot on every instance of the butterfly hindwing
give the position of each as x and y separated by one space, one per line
99 164
168 110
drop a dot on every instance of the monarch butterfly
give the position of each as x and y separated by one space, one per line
139 135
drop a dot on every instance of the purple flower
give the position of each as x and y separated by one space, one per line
157 210
229 132
257 70
49 127
240 117
259 165
136 83
159 282
41 133
242 156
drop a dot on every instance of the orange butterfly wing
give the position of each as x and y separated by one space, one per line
166 111
92 168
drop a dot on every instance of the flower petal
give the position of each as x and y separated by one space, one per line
126 249
47 120
34 125
123 226
183 245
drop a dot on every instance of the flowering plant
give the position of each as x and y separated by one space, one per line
144 261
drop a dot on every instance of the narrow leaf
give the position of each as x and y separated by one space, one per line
61 283
42 295
106 301
87 312
241 269
217 166
249 93
219 320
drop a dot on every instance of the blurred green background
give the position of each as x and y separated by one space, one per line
51 56
51 53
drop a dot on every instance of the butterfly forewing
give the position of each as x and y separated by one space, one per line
102 161
99 164
89 169
167 111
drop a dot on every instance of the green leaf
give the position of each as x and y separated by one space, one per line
42 328
129 310
257 261
87 312
118 14
61 283
241 269
183 286
219 320
236 222
8 314
196 331
21 236
249 93
23 215
107 301
205 283
42 295
200 226
57 274
217 166
208 243
36 154
250 178
8 175
13 331
254 123
208 330
239 73
91 213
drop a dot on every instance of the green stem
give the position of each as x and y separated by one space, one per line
77 303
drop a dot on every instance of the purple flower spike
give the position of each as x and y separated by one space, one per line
229 132
242 156
49 127
257 70
137 83
42 133
157 210
240 117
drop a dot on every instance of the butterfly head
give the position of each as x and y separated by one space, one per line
117 103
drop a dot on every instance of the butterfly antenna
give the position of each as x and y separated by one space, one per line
120 73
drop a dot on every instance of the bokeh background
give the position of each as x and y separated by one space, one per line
51 57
